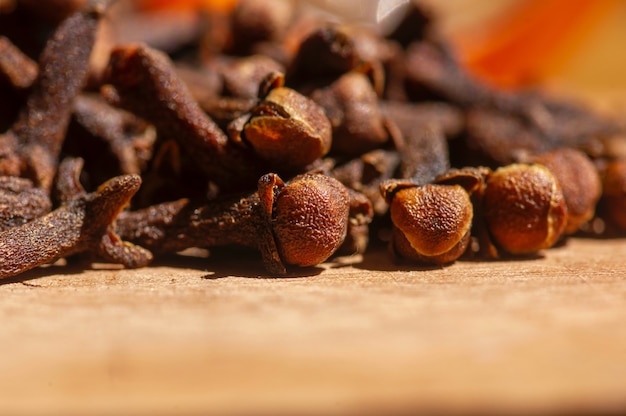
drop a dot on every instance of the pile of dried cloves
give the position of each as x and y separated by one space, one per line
131 134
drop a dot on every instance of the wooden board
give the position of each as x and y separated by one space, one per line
358 336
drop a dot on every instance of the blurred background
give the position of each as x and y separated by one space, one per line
571 45
566 44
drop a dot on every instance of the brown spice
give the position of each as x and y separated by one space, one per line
241 121
518 209
579 180
286 129
432 223
143 81
351 105
16 69
21 202
302 222
524 208
35 139
83 223
366 173
111 141
614 193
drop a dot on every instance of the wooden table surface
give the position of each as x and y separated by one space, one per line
361 335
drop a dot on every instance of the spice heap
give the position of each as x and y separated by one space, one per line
272 128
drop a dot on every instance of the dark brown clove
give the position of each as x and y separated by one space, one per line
143 80
83 223
36 138
326 53
415 25
21 202
333 50
495 139
16 69
423 155
259 21
111 141
614 193
366 173
351 105
242 77
407 116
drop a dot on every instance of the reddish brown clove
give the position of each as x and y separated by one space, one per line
579 180
432 223
301 222
524 208
285 128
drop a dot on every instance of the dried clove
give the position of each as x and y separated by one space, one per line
242 77
21 202
16 69
415 25
285 128
497 138
614 193
579 180
258 21
390 115
351 105
518 209
524 208
432 223
366 173
143 81
423 155
323 55
111 141
83 223
301 222
407 116
35 139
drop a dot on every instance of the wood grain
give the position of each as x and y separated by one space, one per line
358 336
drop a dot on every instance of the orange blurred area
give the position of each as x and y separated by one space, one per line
575 45
531 40
218 5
